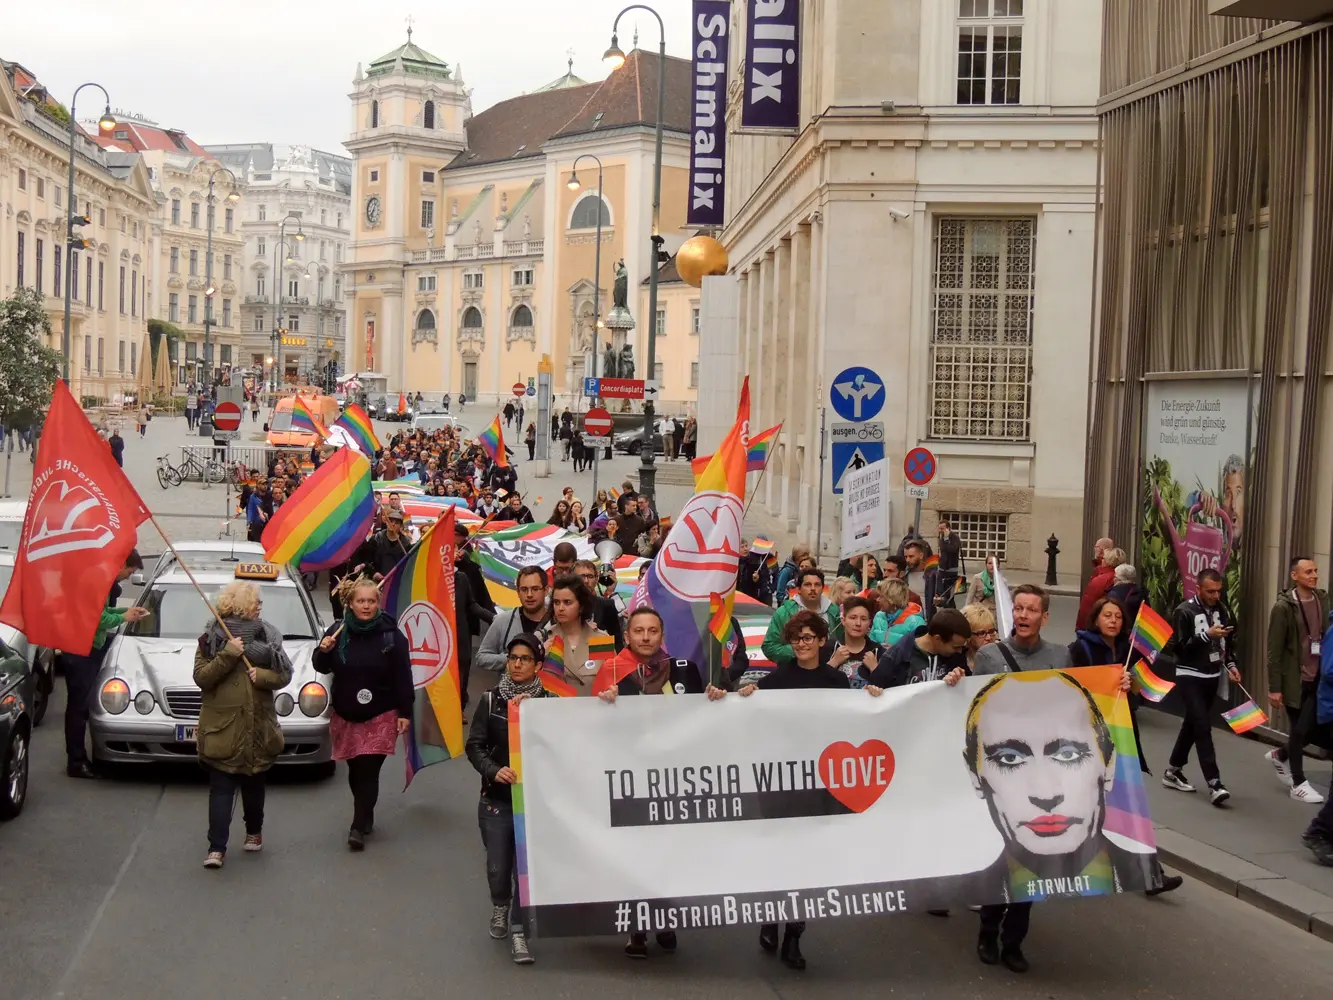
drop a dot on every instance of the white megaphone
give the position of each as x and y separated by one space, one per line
608 552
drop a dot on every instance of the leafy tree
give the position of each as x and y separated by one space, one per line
28 368
158 329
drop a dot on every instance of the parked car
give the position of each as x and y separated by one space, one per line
631 442
41 661
18 686
11 523
146 704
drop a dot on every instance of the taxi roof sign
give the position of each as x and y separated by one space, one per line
256 571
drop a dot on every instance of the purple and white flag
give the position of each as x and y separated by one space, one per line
773 67
708 119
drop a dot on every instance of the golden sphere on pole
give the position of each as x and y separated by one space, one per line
699 257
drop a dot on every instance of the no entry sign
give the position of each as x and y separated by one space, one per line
597 422
227 417
519 389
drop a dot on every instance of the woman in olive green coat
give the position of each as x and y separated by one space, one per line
239 736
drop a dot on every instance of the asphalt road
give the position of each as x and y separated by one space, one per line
103 896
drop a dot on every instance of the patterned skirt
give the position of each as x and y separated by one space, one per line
352 739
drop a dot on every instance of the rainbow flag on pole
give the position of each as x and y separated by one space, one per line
600 648
356 423
419 594
1245 716
1152 687
326 519
761 446
492 441
304 419
1151 634
701 553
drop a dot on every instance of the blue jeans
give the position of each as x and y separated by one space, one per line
496 820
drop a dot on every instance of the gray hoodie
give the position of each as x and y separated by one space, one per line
1043 656
491 655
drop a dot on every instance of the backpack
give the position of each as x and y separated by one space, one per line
1324 692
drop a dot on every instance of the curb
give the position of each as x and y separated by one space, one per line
1276 894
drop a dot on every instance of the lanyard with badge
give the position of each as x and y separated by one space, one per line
1312 637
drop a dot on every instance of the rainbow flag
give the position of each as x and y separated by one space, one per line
492 441
419 594
700 555
764 546
304 419
719 615
1151 634
761 445
520 820
326 519
1151 686
601 647
1245 716
1128 824
932 562
357 424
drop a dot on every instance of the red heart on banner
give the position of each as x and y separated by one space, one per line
856 776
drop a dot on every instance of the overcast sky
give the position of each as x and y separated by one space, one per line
281 70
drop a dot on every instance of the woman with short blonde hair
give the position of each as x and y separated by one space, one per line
982 620
238 600
899 617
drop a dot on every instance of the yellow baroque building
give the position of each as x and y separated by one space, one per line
472 257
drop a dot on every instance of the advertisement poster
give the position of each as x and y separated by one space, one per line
1195 463
773 67
708 130
690 814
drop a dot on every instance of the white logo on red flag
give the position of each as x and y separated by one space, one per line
702 552
67 517
429 641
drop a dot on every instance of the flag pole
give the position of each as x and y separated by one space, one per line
764 471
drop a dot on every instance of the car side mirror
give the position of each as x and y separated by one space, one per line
137 578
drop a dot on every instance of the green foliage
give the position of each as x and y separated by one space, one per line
166 403
28 368
158 330
54 110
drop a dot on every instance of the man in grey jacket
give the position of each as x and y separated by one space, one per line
529 617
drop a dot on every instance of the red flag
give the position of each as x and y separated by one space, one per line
402 403
80 525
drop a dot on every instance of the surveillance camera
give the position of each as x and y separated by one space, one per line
899 215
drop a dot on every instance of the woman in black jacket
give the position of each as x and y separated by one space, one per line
488 749
372 696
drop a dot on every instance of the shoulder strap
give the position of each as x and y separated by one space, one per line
1009 658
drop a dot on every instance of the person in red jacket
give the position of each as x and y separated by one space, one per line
1103 579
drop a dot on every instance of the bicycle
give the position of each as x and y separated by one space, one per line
207 471
167 474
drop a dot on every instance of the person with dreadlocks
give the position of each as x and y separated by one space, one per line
372 695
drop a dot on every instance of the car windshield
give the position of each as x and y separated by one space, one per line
10 531
282 421
432 423
178 613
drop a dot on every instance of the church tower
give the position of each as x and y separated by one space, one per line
409 120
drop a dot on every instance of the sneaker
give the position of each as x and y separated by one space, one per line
1323 852
1305 792
1217 792
214 859
500 921
1280 766
254 842
356 840
518 950
1173 778
637 946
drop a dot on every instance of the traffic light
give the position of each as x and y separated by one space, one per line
79 242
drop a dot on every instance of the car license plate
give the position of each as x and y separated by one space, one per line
187 734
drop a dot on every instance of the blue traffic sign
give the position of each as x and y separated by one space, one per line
592 387
853 455
532 386
858 394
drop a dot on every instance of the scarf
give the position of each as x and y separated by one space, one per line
510 690
987 584
654 676
252 632
353 624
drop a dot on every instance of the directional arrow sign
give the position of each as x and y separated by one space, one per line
858 394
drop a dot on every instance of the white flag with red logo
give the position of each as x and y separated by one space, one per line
82 521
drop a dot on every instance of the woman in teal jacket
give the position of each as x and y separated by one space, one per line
899 617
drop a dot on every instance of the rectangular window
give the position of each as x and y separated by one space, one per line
58 288
134 293
694 321
87 355
194 215
323 250
23 179
191 351
981 329
990 51
41 188
294 288
522 277
120 357
192 316
101 352
134 359
226 312
263 213
374 176
101 283
337 287
694 374
226 354
74 275
427 213
428 177
425 282
174 260
981 535
660 327
59 196
88 283
340 253
175 211
294 323
40 258
340 220
259 287
230 217
122 289
194 261
136 230
174 307
226 267
261 247
474 280
101 217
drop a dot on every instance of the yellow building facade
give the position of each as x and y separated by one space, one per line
472 257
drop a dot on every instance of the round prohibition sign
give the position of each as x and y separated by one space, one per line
919 467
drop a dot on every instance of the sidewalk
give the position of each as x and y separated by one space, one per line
1251 847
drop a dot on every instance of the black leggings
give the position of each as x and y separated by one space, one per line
363 777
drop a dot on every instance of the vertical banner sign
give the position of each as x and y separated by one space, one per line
708 139
865 510
773 67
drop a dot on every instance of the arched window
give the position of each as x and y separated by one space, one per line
522 317
374 114
428 115
426 321
472 318
585 213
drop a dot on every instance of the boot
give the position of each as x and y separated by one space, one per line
791 951
768 937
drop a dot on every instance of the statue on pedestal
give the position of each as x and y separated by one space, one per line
627 361
611 365
620 292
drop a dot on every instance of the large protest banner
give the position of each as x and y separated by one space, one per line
680 813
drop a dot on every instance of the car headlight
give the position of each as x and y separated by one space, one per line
115 696
144 702
313 699
283 704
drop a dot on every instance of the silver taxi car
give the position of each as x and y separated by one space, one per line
146 704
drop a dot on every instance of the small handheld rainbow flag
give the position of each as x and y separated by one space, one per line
756 457
304 419
1151 686
600 649
1151 634
763 545
932 562
326 519
1245 716
719 615
492 441
356 422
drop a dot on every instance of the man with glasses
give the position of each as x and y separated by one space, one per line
604 616
530 617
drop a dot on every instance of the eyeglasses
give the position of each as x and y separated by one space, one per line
986 631
804 640
522 660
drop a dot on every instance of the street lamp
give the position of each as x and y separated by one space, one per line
104 125
278 279
614 58
573 185
233 196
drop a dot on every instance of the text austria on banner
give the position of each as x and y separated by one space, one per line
1016 788
772 84
708 129
81 523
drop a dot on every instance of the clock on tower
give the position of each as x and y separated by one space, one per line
373 210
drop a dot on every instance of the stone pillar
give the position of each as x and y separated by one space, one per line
809 356
796 416
773 359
